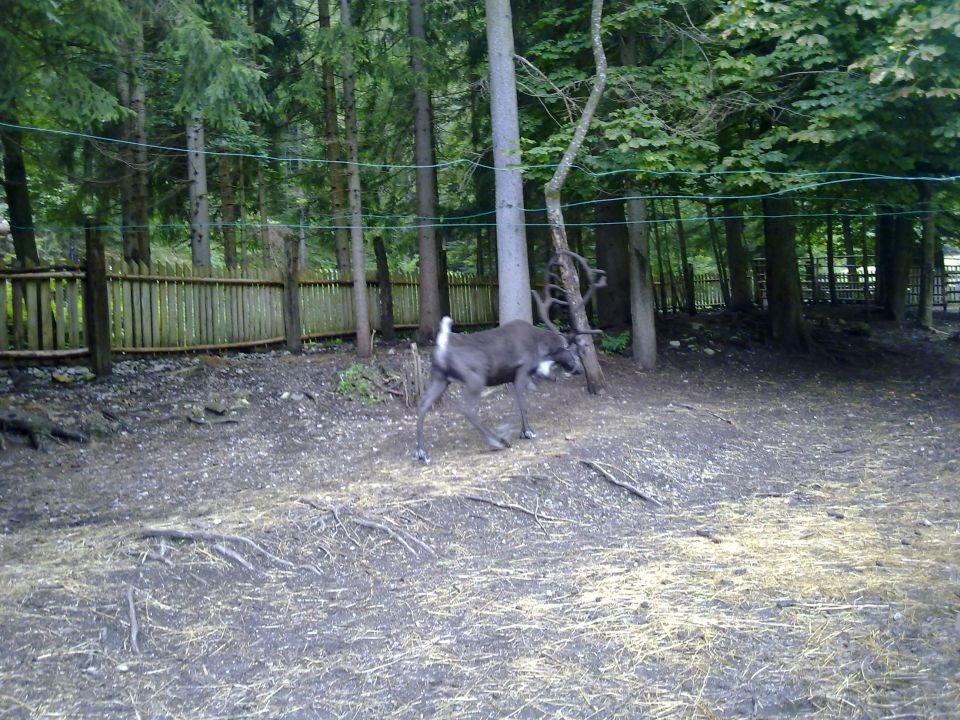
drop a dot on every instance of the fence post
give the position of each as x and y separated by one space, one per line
291 294
96 303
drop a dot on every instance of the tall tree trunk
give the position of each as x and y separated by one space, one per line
125 165
883 254
831 273
242 216
718 256
928 245
358 263
613 257
643 330
687 269
849 252
18 195
228 212
264 214
338 178
140 179
512 264
197 179
898 274
591 363
738 259
426 180
783 277
659 248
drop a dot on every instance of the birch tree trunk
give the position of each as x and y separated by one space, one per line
197 179
426 183
512 264
591 363
361 313
643 330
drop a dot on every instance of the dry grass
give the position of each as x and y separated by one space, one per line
809 578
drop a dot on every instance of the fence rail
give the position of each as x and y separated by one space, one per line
167 307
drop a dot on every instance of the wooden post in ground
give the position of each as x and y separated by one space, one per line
291 294
386 290
96 303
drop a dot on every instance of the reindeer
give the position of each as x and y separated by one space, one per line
516 352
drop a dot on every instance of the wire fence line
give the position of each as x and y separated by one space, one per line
838 175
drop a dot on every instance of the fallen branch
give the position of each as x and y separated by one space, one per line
373 525
709 412
518 508
234 556
36 427
134 625
219 538
620 483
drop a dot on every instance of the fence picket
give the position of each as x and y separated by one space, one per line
59 287
4 332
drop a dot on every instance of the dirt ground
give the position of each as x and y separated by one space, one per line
795 551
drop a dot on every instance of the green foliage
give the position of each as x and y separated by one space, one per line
615 344
747 88
357 384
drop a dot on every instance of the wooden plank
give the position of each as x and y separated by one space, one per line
4 332
116 308
189 319
210 303
218 305
45 318
154 297
163 306
126 309
144 315
33 318
19 329
59 296
74 288
176 305
238 298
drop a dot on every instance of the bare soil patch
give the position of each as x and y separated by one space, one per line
797 553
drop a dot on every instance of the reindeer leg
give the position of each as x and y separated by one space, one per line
520 385
436 388
471 401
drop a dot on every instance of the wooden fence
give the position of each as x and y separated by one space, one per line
167 308
814 286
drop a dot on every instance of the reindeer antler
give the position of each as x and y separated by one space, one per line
551 281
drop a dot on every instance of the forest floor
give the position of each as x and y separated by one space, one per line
796 551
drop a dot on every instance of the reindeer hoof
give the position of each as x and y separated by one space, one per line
528 434
498 443
422 456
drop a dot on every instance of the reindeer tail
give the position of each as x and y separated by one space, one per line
443 338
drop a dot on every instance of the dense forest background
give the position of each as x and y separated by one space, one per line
208 129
